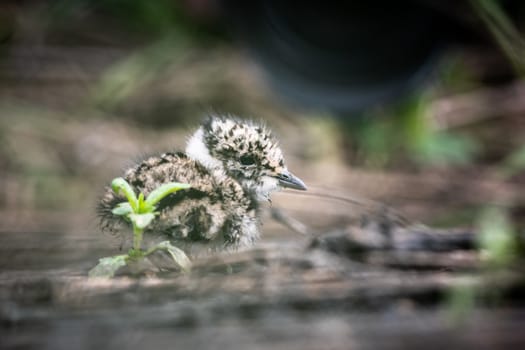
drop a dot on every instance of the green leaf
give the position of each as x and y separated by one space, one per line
162 191
179 257
108 266
122 209
122 187
142 205
141 221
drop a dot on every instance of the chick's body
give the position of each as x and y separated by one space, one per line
231 166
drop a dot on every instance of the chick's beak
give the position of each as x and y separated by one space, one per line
289 180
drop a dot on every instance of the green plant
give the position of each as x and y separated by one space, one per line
140 212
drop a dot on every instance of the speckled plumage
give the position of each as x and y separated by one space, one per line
231 166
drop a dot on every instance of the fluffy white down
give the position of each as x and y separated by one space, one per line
266 187
197 150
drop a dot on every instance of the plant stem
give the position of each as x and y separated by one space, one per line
137 238
503 30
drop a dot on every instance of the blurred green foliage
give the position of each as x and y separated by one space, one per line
406 130
503 30
497 238
512 43
424 143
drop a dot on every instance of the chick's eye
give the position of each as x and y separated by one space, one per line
247 160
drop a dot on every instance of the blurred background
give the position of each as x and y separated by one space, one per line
417 104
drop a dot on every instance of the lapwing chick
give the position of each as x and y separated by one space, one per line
232 166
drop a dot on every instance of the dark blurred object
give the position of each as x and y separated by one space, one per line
346 56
